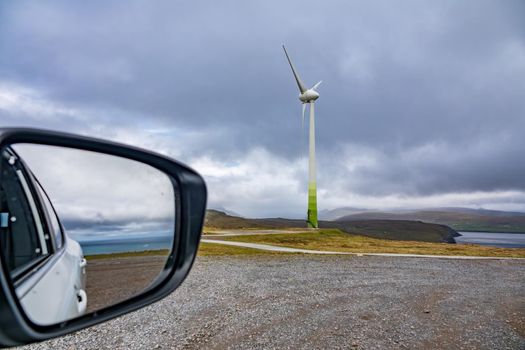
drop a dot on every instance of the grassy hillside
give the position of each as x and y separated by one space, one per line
460 220
335 240
385 229
399 230
218 220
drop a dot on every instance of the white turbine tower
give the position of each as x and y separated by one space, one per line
309 96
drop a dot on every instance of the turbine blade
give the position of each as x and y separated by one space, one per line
300 83
316 85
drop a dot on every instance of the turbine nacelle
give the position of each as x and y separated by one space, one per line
309 96
306 95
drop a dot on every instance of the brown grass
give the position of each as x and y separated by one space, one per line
159 252
210 249
335 240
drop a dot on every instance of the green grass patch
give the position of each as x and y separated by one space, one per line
336 240
210 249
214 230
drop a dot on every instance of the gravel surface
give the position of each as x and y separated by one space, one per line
297 301
107 276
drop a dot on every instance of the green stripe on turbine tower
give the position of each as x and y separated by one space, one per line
312 206
309 96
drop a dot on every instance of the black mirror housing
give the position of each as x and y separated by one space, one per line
16 328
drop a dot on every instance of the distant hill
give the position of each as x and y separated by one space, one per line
334 214
387 229
460 219
399 230
481 211
226 211
216 219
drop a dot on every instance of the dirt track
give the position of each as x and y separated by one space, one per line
116 279
327 302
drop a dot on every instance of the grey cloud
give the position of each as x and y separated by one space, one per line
397 77
438 167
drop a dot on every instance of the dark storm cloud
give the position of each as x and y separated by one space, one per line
467 166
433 94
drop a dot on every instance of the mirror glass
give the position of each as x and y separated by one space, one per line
80 230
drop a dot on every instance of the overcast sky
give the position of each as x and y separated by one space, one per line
117 196
422 103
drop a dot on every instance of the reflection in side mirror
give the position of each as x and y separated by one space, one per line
80 230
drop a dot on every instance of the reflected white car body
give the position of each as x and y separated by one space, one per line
56 291
52 287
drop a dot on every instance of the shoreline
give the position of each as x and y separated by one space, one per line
130 254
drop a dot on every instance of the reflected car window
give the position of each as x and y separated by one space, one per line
55 224
19 236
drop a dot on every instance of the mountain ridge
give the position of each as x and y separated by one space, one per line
460 219
386 229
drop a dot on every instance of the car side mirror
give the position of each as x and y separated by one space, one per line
89 230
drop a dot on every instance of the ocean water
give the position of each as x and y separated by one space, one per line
124 246
493 239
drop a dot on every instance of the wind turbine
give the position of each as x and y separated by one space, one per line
309 96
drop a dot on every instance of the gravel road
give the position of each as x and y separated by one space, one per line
298 301
106 278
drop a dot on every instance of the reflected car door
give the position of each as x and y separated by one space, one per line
47 266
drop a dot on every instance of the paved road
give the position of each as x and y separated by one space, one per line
313 301
274 248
